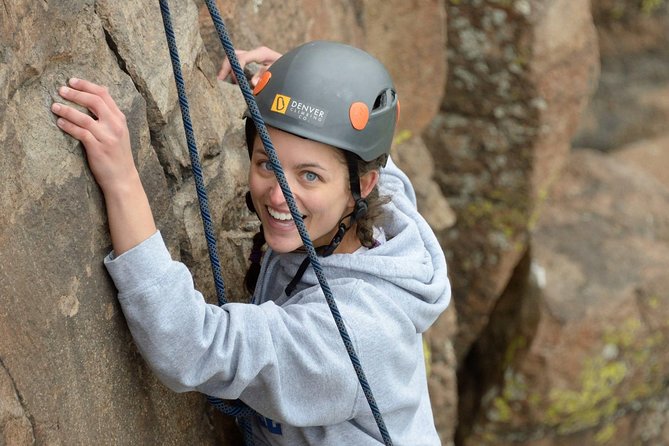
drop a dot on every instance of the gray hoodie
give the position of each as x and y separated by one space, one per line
284 356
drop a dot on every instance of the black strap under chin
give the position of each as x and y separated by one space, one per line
323 251
298 276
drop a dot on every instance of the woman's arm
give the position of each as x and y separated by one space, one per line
288 362
106 140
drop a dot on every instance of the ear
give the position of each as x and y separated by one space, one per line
368 181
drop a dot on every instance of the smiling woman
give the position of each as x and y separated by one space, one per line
282 355
320 187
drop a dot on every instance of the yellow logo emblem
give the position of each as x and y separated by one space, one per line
280 104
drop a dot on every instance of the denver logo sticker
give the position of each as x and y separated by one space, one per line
280 104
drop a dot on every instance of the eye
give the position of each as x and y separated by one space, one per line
265 165
310 177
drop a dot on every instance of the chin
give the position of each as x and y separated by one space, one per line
284 246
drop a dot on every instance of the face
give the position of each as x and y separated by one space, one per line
318 178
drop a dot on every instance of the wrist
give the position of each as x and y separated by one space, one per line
121 190
129 214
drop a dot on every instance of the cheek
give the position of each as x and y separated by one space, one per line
255 187
335 202
255 181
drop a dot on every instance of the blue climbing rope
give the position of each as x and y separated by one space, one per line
231 409
237 409
192 150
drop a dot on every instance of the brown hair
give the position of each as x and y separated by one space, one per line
365 225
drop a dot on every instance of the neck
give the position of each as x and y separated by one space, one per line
350 243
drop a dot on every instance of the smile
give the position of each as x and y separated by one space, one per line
283 216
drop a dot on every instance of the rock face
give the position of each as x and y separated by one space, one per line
519 74
572 351
632 98
69 372
577 352
650 155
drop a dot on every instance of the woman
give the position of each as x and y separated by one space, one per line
331 111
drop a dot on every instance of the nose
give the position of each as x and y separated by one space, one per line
276 194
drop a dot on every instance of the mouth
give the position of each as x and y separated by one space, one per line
278 215
281 218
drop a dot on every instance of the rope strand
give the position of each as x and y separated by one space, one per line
192 150
237 409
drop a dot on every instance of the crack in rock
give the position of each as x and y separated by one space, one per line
7 415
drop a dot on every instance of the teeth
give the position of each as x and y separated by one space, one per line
279 215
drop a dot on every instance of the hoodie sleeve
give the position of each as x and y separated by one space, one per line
233 351
394 181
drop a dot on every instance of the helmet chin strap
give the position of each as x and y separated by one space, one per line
359 210
330 248
323 251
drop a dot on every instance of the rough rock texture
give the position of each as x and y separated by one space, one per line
69 371
519 74
442 379
577 350
15 426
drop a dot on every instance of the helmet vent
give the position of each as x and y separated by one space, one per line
384 99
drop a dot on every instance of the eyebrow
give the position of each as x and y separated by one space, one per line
310 166
261 150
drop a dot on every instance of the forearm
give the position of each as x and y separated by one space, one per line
129 215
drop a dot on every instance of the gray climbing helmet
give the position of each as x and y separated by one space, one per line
332 93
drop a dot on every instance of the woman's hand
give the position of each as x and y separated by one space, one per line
107 142
105 135
261 55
